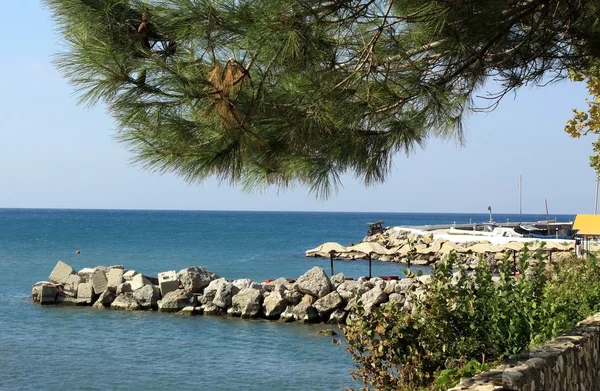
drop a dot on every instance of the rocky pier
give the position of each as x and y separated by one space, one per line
416 247
313 297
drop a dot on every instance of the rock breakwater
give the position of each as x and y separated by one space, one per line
313 297
425 248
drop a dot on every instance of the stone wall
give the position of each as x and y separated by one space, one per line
570 362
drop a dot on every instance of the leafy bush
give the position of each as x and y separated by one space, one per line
466 323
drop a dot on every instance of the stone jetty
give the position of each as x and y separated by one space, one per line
313 297
425 248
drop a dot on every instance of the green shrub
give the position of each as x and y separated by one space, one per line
466 323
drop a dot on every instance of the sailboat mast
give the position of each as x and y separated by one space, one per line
520 198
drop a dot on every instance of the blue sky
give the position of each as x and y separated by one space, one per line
57 154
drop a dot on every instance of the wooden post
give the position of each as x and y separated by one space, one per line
332 254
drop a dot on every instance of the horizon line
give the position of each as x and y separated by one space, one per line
274 211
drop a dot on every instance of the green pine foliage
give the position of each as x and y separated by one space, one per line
468 323
286 92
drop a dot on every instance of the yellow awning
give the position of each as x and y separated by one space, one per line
587 224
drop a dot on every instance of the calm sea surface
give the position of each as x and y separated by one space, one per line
81 348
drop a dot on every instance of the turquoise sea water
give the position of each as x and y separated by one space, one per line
83 348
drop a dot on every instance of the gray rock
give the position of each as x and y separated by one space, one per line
287 315
350 305
283 281
327 304
126 302
129 274
85 274
115 277
147 296
247 303
71 285
211 290
350 288
337 317
189 310
314 282
85 293
425 279
62 299
195 278
36 292
138 281
373 298
405 284
61 273
293 296
390 286
378 283
211 309
397 297
99 281
105 299
306 313
174 301
336 280
308 299
244 283
48 293
123 288
223 294
275 303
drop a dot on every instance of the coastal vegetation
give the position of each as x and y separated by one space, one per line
466 323
300 92
584 123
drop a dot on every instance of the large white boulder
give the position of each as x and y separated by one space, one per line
314 282
174 301
85 293
275 303
71 285
195 278
125 301
373 298
223 294
211 290
147 296
306 313
48 293
115 277
351 288
247 303
138 281
129 274
328 303
336 280
105 299
61 273
99 280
